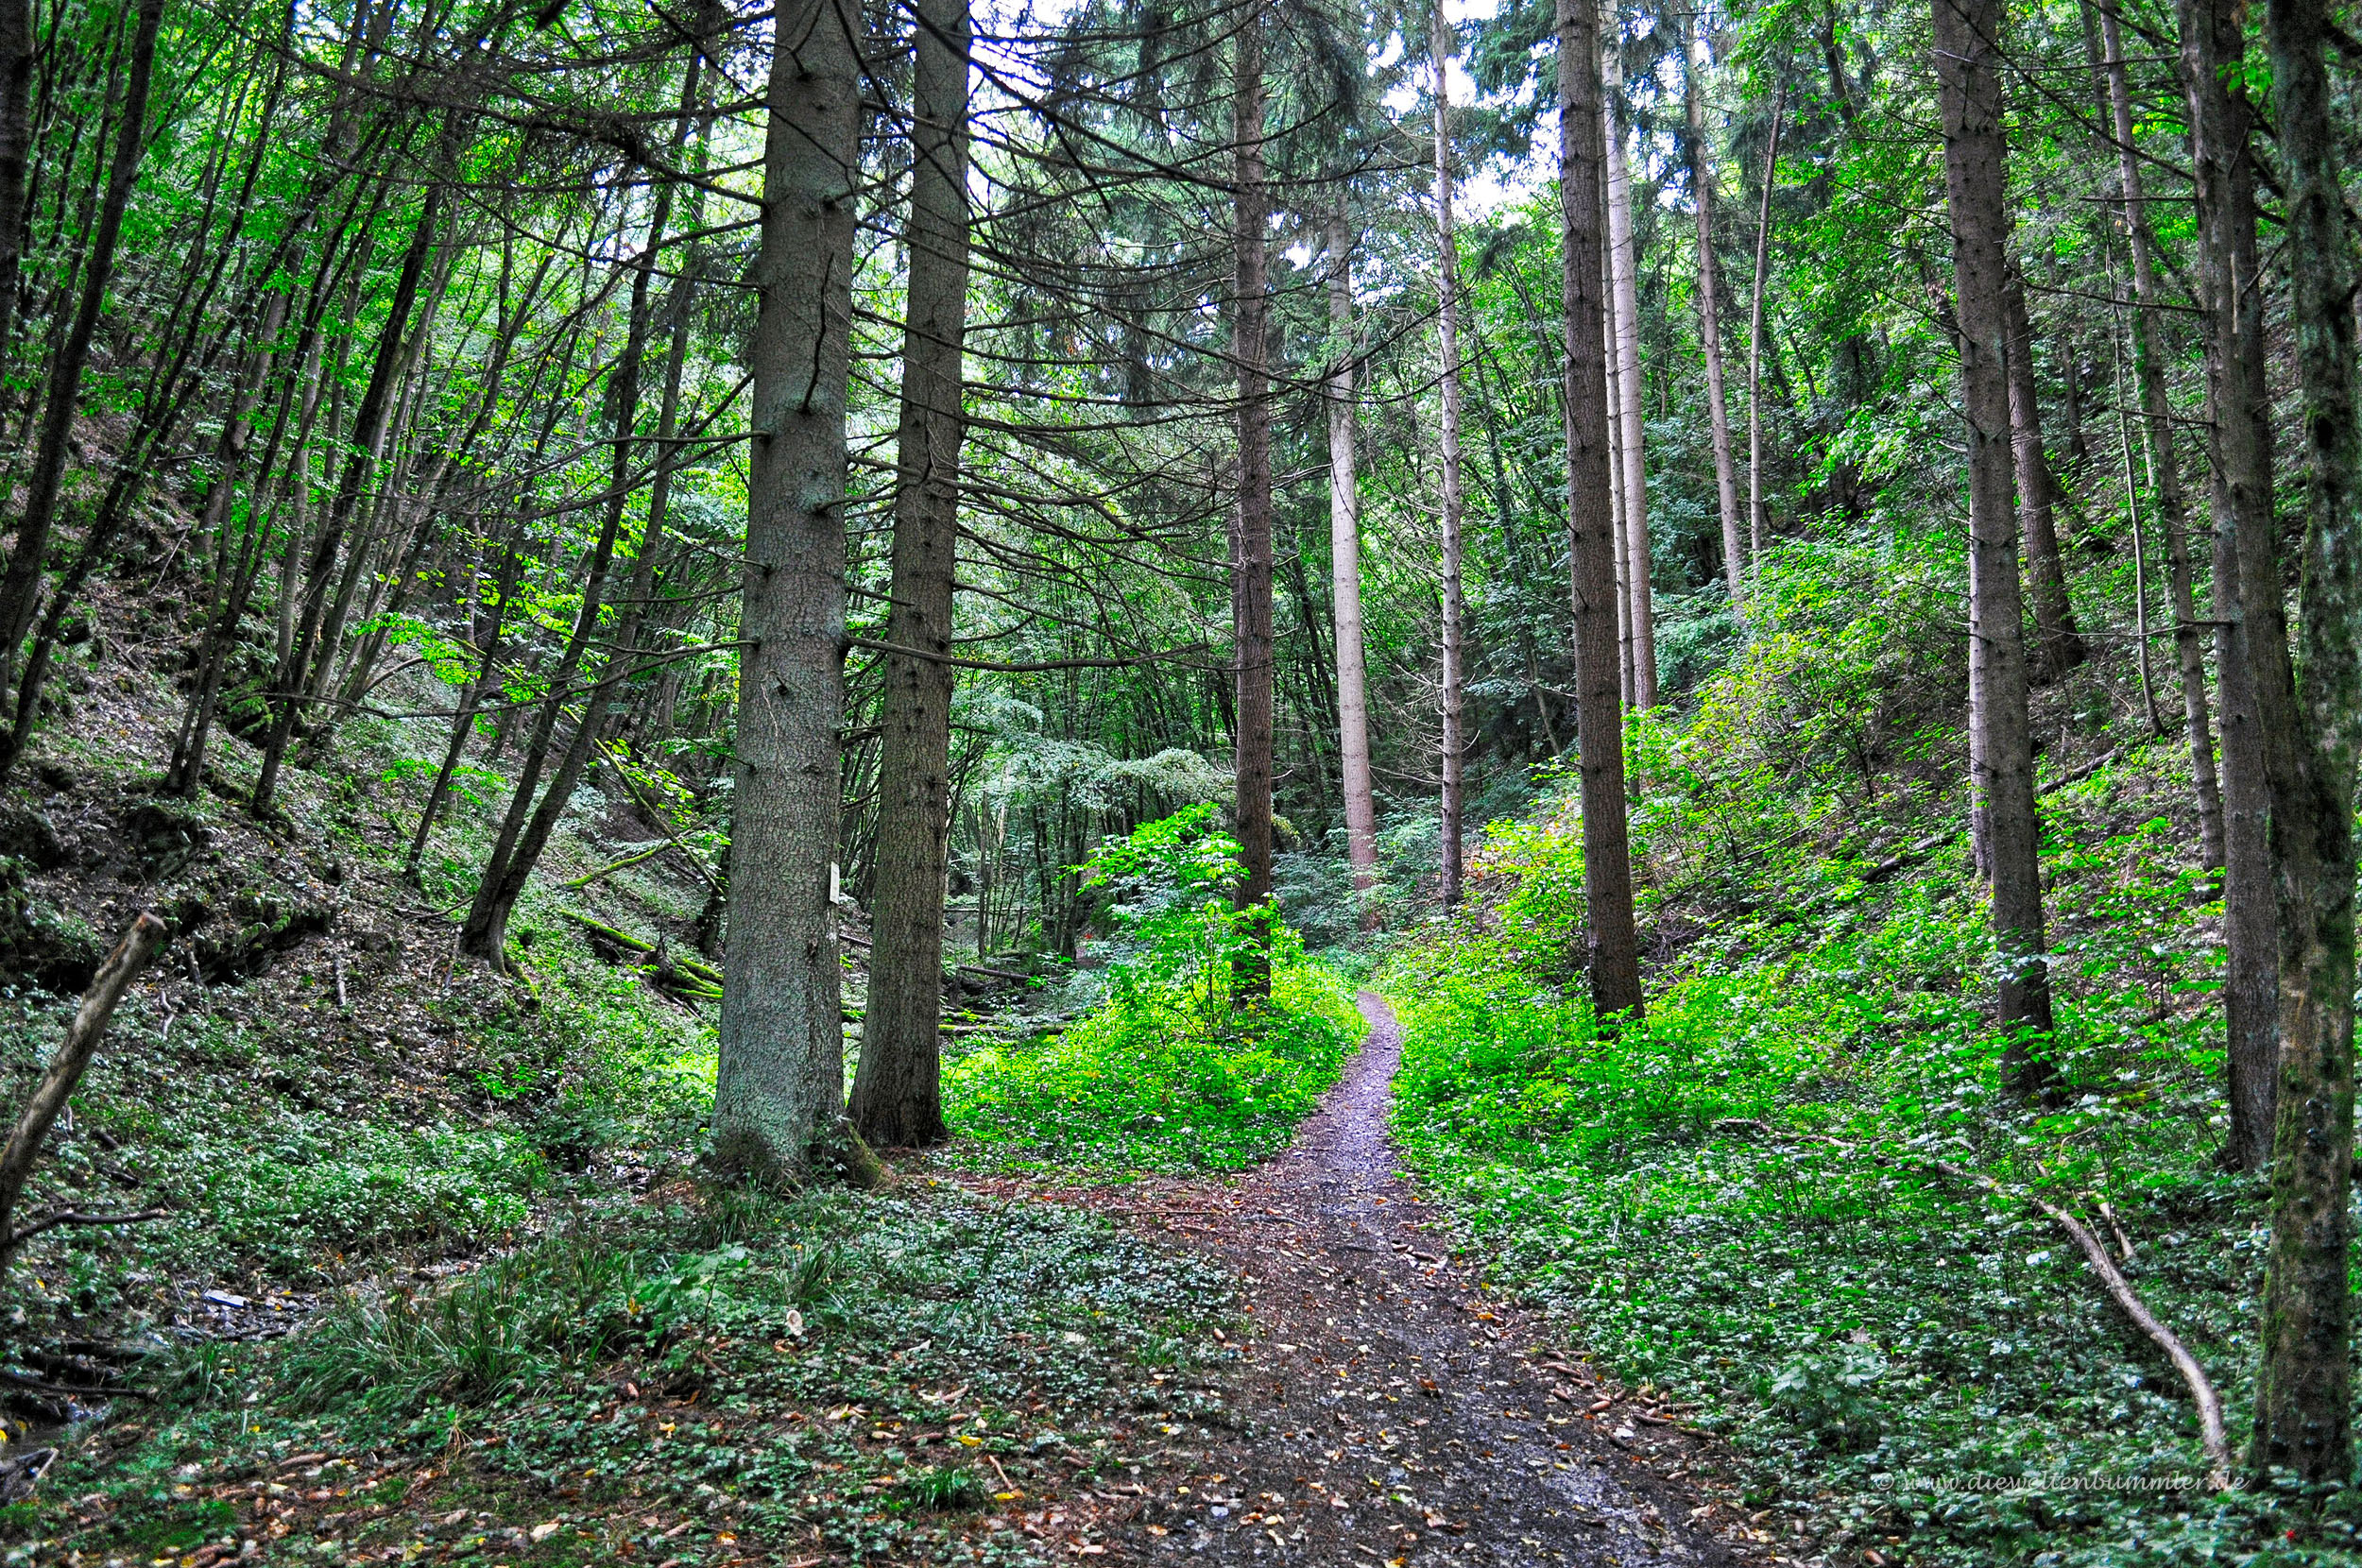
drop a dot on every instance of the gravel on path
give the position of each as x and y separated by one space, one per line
1388 1412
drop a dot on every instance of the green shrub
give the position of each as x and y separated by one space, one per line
1144 1082
1175 1070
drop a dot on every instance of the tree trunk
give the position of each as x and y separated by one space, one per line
1617 513
237 429
2149 371
522 837
1448 332
2140 540
2058 647
470 704
382 512
2303 1405
296 488
1344 566
1755 345
2070 352
187 769
2250 627
1251 596
640 594
1624 280
898 1098
1709 313
1614 939
779 1087
1969 89
16 150
1979 808
368 416
20 585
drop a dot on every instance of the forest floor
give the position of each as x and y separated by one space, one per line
1386 1408
455 1179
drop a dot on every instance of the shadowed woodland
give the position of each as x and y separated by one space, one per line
771 779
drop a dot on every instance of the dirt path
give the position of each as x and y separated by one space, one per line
1392 1416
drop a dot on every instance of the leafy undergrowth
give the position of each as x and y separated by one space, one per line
552 1321
724 1377
309 1084
1138 1084
1734 1200
1175 1068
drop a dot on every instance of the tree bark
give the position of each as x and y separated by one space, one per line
2303 1381
898 1098
1617 514
2070 352
1447 332
1345 568
187 769
19 585
1967 35
471 704
1251 596
295 488
1754 343
1612 935
2058 646
1624 280
131 954
2149 371
2250 626
379 534
16 149
779 1087
1709 312
2140 538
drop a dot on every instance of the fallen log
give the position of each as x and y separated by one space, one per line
695 968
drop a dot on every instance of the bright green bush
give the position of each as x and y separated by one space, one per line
1143 1081
1172 1071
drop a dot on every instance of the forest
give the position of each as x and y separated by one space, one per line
887 781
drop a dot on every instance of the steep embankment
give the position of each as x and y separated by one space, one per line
1803 1195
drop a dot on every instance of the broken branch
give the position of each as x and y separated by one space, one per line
114 977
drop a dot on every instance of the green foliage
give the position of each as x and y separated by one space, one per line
779 1365
1143 1081
317 1186
497 1331
828 1267
1174 1070
1732 1201
945 1489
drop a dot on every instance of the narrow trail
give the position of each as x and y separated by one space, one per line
1389 1414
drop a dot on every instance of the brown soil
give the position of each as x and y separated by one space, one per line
1392 1413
